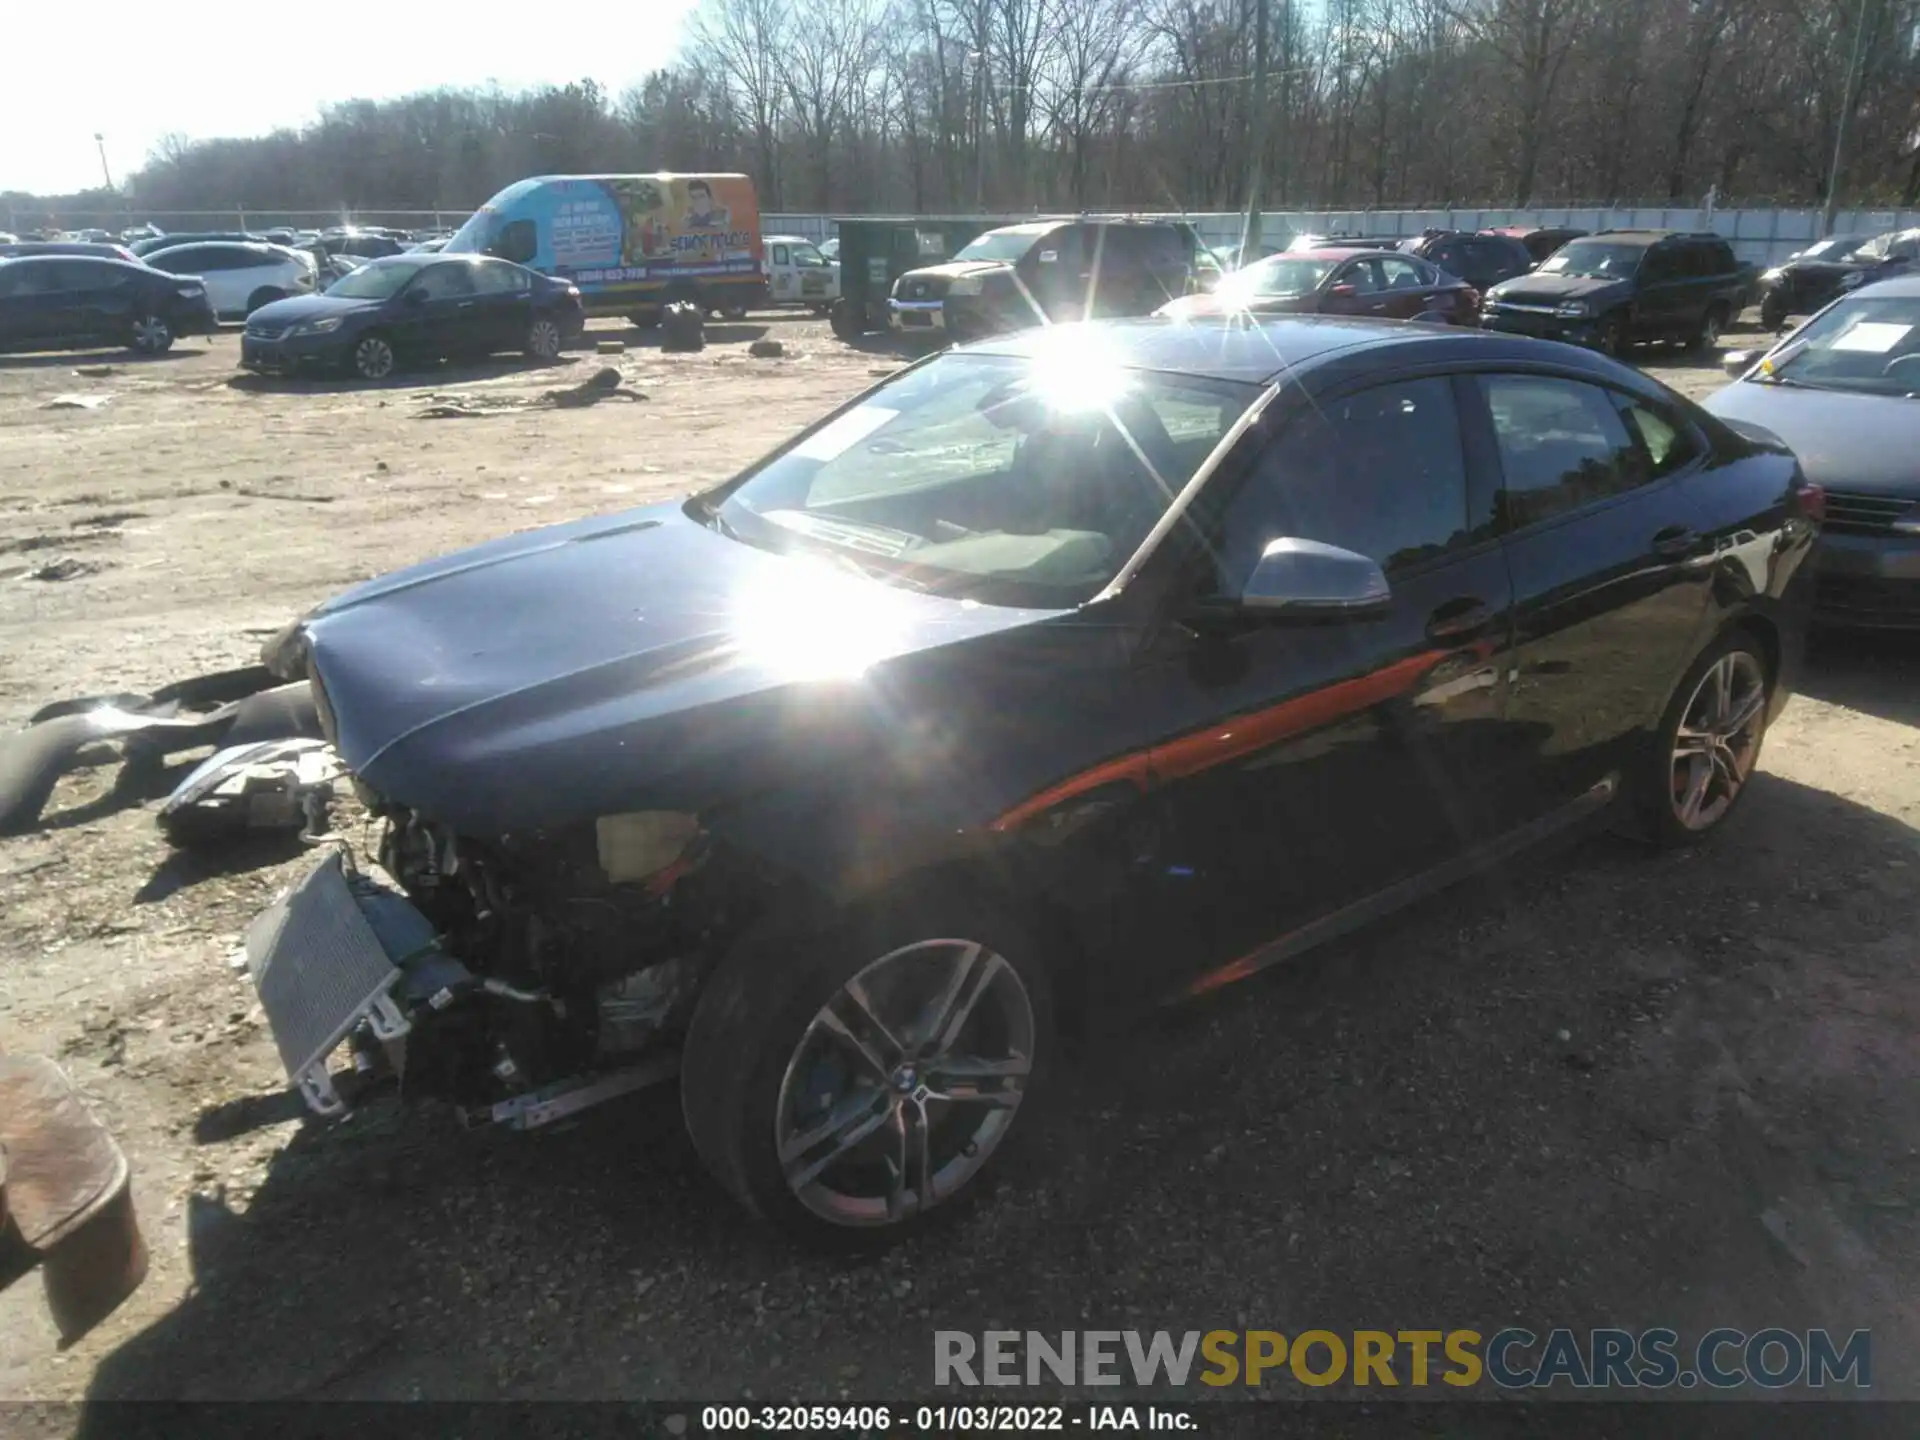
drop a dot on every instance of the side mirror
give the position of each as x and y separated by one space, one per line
1310 580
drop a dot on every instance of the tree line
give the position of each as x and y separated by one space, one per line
1004 105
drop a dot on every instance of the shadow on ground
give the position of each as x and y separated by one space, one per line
1572 1093
113 355
1875 672
409 377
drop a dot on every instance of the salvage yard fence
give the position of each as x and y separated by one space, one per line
1764 236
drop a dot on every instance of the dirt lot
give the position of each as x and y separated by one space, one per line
1602 1089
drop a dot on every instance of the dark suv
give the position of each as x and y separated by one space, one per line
1020 275
1617 287
1483 261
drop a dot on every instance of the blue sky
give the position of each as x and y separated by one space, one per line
244 67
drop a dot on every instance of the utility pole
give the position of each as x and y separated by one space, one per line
1840 130
1256 169
100 141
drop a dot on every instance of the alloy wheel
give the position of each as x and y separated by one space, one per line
543 340
151 335
1718 740
1710 330
373 358
905 1083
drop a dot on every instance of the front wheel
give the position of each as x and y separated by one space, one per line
1773 312
853 1095
1708 744
372 357
1711 325
1612 338
848 319
151 335
544 339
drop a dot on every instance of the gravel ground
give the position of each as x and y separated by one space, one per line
1600 1088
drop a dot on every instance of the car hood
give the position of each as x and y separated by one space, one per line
954 269
623 662
1534 288
299 308
1847 442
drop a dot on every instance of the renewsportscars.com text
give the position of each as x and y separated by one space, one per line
1512 1358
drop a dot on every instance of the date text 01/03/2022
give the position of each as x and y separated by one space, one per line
938 1419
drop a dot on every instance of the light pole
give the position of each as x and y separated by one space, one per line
1256 170
100 141
1840 130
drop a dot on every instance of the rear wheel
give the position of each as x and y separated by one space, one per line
847 1086
1773 312
1708 744
372 357
544 339
150 335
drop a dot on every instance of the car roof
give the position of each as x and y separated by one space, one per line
1326 252
1647 237
1259 350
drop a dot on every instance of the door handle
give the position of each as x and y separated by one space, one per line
1676 542
1457 620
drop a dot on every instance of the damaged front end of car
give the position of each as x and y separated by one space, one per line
519 978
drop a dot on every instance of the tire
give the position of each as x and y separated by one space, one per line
372 357
766 1058
849 320
1773 312
150 335
544 340
1611 337
264 296
1711 325
1702 760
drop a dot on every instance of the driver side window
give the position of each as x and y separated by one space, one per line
1380 472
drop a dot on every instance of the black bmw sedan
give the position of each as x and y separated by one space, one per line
1076 670
414 307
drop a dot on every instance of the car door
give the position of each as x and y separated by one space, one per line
1663 292
1062 269
440 312
35 310
103 298
504 299
1354 288
1609 587
1313 765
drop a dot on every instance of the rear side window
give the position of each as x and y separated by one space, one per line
1563 444
516 242
500 279
85 275
1669 445
1379 472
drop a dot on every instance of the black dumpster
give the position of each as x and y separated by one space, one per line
876 250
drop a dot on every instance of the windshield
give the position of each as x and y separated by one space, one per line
1868 344
1839 247
376 281
1276 278
1005 480
473 237
997 245
1595 259
807 255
